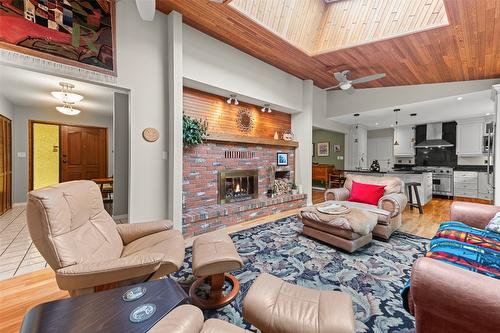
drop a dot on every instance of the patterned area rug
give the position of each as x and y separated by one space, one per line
373 275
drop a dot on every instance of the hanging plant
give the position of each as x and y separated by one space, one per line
194 131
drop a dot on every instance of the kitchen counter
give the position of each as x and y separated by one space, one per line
410 172
478 168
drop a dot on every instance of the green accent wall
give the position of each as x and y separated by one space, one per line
334 138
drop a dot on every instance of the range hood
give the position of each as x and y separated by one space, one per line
434 137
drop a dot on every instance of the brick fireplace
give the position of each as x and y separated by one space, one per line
227 178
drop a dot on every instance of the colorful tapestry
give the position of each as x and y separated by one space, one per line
79 33
458 244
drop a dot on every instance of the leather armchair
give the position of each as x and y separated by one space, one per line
389 208
87 250
444 298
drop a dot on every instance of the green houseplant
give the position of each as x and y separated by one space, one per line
194 131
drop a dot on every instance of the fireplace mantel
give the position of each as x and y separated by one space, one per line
249 139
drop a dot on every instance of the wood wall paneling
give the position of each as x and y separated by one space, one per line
221 116
467 49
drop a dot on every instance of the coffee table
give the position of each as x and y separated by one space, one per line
104 311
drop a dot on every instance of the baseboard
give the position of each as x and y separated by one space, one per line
18 204
318 188
119 217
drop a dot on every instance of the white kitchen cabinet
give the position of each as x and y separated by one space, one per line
465 184
405 136
470 137
380 149
484 188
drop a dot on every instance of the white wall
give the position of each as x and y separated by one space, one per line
142 68
219 65
320 113
22 115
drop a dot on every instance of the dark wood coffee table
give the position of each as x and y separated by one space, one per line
104 311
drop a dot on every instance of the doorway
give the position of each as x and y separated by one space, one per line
5 164
61 153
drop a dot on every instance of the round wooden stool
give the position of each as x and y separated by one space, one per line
414 186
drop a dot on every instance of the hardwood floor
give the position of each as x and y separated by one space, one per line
19 294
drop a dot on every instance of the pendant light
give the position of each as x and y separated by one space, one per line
66 94
356 115
67 109
396 143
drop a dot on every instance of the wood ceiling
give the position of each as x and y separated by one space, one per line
466 49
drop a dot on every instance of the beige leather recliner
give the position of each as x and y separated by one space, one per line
389 209
90 252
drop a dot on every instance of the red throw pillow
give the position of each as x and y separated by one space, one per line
366 193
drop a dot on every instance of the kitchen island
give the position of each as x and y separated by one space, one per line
422 177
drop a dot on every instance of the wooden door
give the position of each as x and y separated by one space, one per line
83 153
5 164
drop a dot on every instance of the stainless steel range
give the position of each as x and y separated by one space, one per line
442 179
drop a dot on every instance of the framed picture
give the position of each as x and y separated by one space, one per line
337 148
323 149
76 33
282 159
313 150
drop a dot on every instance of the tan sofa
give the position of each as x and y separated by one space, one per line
88 250
389 209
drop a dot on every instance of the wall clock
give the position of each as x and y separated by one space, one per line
245 120
150 134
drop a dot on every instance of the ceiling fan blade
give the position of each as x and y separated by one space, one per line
350 91
340 76
368 78
333 87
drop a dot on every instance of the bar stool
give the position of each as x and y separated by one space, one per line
414 186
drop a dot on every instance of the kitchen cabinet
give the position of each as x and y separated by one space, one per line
405 136
381 149
358 147
470 137
484 187
465 184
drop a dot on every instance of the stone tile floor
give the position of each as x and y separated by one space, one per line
18 254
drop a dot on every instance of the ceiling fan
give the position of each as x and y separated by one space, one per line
346 85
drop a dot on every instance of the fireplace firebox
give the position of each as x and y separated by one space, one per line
238 185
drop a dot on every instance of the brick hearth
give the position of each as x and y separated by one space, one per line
201 211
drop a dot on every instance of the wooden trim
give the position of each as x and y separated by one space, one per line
252 140
30 146
474 200
62 60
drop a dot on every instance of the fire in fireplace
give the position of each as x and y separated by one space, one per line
237 185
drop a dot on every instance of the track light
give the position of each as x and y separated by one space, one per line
232 98
266 108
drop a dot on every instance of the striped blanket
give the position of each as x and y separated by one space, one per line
458 244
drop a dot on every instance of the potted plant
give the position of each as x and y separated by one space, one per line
194 131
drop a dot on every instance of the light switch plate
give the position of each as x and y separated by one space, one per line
21 154
340 157
165 155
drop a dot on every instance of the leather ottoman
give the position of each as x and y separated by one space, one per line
214 255
275 306
348 231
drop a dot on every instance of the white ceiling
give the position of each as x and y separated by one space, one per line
28 88
476 104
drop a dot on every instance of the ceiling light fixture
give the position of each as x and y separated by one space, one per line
460 98
66 94
396 143
232 98
488 113
356 115
67 109
266 108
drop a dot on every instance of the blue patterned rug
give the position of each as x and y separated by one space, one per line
373 275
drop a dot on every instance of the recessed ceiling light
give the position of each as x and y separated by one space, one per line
376 124
460 98
488 114
392 125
